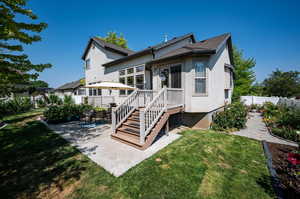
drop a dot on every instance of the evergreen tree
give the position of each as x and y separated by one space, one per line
112 37
15 67
244 74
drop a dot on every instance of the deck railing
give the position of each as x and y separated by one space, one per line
138 98
155 104
101 101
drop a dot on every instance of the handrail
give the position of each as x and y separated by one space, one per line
151 114
121 112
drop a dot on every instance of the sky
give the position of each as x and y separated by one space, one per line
268 31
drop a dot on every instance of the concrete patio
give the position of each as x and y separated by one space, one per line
113 156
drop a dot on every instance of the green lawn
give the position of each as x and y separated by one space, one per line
36 163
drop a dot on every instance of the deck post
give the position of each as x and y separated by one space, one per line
142 127
113 119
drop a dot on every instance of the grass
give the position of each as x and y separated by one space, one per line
36 163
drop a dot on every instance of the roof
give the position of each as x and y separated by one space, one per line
108 46
150 49
70 85
111 85
205 47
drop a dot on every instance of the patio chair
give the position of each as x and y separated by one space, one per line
87 118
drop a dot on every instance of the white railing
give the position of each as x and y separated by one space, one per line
151 114
101 101
138 98
121 112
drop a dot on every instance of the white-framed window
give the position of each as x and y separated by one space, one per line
95 92
87 64
132 76
200 78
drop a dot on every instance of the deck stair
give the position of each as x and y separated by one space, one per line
140 118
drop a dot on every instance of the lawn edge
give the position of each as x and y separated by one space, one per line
274 177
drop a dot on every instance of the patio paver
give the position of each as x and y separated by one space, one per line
256 129
113 156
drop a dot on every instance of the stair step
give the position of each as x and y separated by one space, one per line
132 124
135 142
131 130
134 118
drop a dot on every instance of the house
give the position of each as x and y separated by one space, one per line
182 75
75 89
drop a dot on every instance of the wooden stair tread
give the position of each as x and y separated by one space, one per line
132 124
132 140
127 129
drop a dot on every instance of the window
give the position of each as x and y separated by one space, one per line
231 79
129 71
200 78
99 92
139 81
81 91
122 72
133 76
139 69
226 93
87 64
90 92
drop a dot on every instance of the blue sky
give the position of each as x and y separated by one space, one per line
267 30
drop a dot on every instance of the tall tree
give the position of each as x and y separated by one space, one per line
283 84
114 38
244 74
15 67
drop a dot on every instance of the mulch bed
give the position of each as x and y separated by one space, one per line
289 175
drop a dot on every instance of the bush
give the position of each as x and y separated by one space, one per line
68 99
64 113
269 109
289 117
286 132
233 117
41 103
54 99
15 105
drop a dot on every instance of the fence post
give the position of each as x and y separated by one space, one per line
142 127
113 119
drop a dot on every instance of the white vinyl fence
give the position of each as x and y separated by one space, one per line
249 100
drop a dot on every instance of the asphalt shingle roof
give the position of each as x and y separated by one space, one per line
70 85
207 46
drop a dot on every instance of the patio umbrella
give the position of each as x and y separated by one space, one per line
111 85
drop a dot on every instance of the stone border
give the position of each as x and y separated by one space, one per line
275 180
3 126
286 140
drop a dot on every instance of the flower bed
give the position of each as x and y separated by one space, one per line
286 169
282 121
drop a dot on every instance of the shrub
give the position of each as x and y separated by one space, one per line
15 105
68 99
41 103
286 132
289 117
99 108
54 99
64 113
233 117
269 109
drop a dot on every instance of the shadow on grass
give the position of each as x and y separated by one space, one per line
33 157
265 182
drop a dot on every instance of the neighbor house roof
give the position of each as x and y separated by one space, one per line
70 85
150 49
108 46
204 47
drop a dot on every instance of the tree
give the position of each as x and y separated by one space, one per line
244 74
283 84
112 37
15 67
